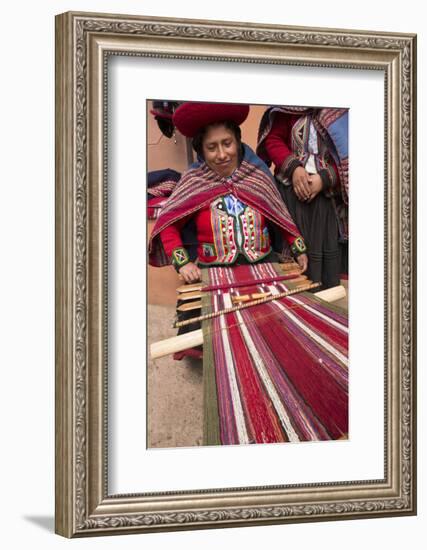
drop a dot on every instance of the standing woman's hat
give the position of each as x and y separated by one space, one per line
162 112
191 117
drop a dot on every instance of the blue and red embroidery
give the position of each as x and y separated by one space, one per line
237 229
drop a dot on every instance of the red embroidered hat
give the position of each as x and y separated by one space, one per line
190 117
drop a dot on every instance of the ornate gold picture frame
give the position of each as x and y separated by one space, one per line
84 44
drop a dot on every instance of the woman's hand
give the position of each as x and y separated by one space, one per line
316 185
302 260
301 184
190 273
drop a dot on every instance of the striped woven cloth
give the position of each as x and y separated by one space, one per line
274 372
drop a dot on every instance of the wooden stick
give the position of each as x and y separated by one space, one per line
329 295
189 288
246 305
332 294
186 296
190 295
190 306
177 343
247 297
285 267
289 266
181 342
255 282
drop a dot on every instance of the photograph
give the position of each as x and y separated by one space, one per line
247 209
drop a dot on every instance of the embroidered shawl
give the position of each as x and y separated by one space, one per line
251 182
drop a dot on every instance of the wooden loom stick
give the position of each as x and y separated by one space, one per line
289 267
177 343
184 341
185 296
189 288
194 295
286 268
332 294
190 306
247 297
195 288
241 298
246 305
293 276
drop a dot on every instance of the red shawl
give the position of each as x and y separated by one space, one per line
251 182
332 126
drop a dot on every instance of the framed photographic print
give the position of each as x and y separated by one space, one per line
192 160
263 366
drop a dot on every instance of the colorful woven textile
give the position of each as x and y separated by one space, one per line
160 185
154 207
274 372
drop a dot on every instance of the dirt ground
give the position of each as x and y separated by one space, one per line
175 390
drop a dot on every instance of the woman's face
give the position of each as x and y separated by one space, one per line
220 150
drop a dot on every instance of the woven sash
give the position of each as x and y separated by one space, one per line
274 372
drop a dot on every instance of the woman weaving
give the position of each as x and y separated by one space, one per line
229 194
275 372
